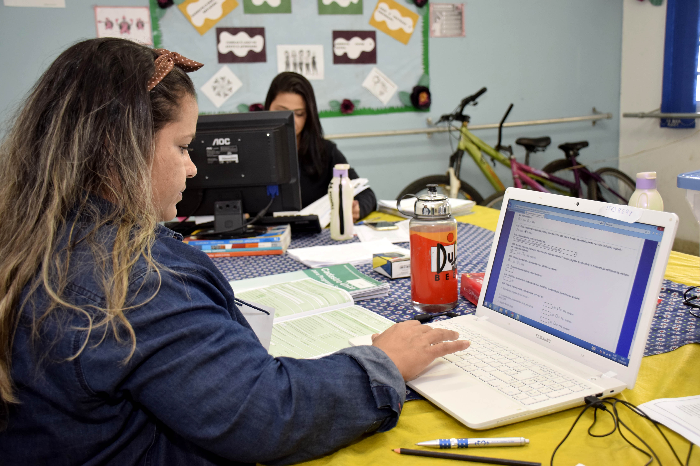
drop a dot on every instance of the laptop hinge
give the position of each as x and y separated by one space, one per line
480 318
609 375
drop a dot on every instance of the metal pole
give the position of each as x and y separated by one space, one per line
680 116
404 132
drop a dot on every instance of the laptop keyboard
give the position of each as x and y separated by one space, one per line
519 377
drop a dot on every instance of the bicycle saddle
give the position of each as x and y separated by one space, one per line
534 144
573 146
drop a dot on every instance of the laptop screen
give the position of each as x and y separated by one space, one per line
577 276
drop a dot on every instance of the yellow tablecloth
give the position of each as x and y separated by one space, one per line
668 375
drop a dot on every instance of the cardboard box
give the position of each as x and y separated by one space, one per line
392 264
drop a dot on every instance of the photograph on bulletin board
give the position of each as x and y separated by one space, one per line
370 52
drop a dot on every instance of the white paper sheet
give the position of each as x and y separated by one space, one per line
349 253
400 235
682 415
259 321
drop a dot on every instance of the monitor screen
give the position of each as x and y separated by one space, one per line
246 157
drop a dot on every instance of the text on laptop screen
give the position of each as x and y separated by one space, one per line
577 276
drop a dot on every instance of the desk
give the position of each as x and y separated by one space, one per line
672 374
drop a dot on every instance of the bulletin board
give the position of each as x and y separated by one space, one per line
371 53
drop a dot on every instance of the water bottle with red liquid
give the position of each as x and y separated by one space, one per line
433 230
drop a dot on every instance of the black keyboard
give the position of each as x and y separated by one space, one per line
299 223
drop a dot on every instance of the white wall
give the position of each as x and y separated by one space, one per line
644 146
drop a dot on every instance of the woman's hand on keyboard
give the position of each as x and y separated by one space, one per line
412 346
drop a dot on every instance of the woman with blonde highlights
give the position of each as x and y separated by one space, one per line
119 344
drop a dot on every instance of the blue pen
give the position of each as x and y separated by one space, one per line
475 442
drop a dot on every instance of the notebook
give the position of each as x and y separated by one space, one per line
568 298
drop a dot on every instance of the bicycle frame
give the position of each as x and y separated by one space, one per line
476 147
536 179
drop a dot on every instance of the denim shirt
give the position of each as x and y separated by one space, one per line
199 390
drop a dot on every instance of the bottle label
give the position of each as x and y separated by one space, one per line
434 267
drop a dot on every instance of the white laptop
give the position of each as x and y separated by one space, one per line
568 298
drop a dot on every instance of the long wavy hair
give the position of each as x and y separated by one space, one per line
86 129
312 156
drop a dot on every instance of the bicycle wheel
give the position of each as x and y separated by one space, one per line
466 191
561 168
612 179
494 201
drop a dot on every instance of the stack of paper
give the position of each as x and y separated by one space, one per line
311 319
344 276
458 206
322 206
349 253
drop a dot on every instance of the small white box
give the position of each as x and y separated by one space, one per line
392 264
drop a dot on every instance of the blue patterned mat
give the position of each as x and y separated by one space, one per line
673 326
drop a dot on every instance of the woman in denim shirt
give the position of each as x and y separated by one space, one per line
122 345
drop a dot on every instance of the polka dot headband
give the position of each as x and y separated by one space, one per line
166 61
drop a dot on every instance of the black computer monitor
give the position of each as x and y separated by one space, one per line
244 157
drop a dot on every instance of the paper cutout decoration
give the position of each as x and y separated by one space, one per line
303 59
241 45
339 7
397 21
447 20
251 7
204 14
221 86
133 23
380 85
350 47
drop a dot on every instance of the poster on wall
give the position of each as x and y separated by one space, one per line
221 86
395 20
204 14
334 52
252 7
133 23
241 45
354 47
339 7
303 59
447 20
380 86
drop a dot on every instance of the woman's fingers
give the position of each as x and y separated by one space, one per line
437 335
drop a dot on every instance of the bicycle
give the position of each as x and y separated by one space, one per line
564 176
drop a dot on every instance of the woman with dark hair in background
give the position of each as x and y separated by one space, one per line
120 344
317 156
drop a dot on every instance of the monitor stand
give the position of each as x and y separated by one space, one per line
228 216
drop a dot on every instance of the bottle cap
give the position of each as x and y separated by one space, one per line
341 169
646 180
432 204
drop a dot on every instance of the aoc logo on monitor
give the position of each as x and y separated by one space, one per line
221 142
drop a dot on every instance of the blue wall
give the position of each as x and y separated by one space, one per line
551 58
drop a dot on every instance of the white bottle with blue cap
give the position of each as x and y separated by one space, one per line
646 196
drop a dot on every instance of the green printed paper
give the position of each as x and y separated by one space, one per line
343 276
297 297
325 333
